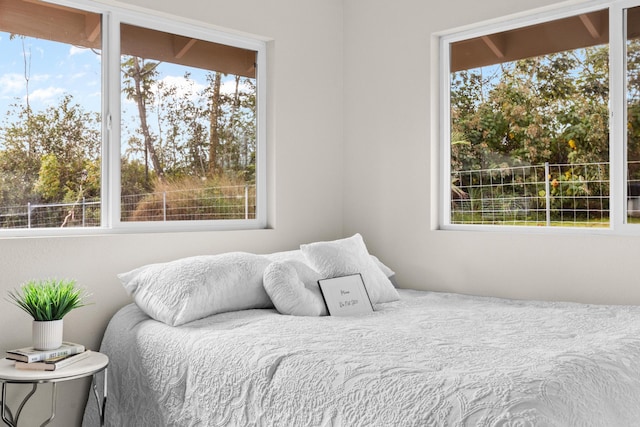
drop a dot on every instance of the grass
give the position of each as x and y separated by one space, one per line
477 219
47 300
194 199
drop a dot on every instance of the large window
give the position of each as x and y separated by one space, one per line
531 133
632 58
50 131
113 119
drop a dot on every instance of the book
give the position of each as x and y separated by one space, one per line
30 355
54 363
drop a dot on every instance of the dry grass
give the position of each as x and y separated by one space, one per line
191 199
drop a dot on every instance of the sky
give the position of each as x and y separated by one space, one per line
53 70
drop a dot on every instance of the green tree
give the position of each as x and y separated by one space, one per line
529 111
51 155
48 184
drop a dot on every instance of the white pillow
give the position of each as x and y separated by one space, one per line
293 288
297 255
187 289
350 256
293 255
385 269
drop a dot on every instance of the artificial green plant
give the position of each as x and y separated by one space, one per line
49 299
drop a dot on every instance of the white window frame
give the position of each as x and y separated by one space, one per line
617 112
112 17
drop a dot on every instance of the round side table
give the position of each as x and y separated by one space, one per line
92 365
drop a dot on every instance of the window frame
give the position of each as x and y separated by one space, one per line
112 17
617 113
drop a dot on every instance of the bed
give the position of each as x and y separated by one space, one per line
425 359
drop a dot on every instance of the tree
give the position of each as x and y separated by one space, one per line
214 117
55 153
139 75
529 111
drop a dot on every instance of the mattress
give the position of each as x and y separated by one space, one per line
429 359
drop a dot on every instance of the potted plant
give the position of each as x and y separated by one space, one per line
47 302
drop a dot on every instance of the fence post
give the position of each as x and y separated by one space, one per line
83 211
547 192
246 202
28 214
164 206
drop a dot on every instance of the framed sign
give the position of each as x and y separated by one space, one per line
346 295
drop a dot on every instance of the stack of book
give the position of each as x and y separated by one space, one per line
48 360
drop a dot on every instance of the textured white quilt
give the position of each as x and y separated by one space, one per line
427 360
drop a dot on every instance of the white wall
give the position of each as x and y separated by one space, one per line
389 178
305 180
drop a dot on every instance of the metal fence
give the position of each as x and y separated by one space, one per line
212 203
84 213
230 202
547 195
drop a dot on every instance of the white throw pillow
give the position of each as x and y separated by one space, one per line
382 266
187 289
292 255
293 288
350 256
297 255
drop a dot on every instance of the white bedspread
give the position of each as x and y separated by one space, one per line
427 360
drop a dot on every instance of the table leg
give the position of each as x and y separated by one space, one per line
102 406
10 419
53 406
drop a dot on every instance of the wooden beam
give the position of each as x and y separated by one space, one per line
41 20
590 26
168 47
92 26
49 5
497 46
541 39
181 45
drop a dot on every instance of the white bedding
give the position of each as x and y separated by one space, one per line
427 360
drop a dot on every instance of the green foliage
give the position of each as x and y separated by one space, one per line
50 299
525 112
187 121
133 178
48 184
51 155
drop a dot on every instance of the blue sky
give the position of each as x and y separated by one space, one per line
53 69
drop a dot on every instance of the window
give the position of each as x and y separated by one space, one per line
531 134
50 131
115 120
632 48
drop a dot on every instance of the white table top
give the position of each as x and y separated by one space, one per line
96 362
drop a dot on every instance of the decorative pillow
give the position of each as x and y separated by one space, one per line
350 256
293 288
386 270
297 255
187 289
293 255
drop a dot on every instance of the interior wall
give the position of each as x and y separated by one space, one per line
391 176
304 181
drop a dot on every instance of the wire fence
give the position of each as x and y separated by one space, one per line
213 203
544 195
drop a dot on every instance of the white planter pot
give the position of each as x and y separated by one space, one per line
47 335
